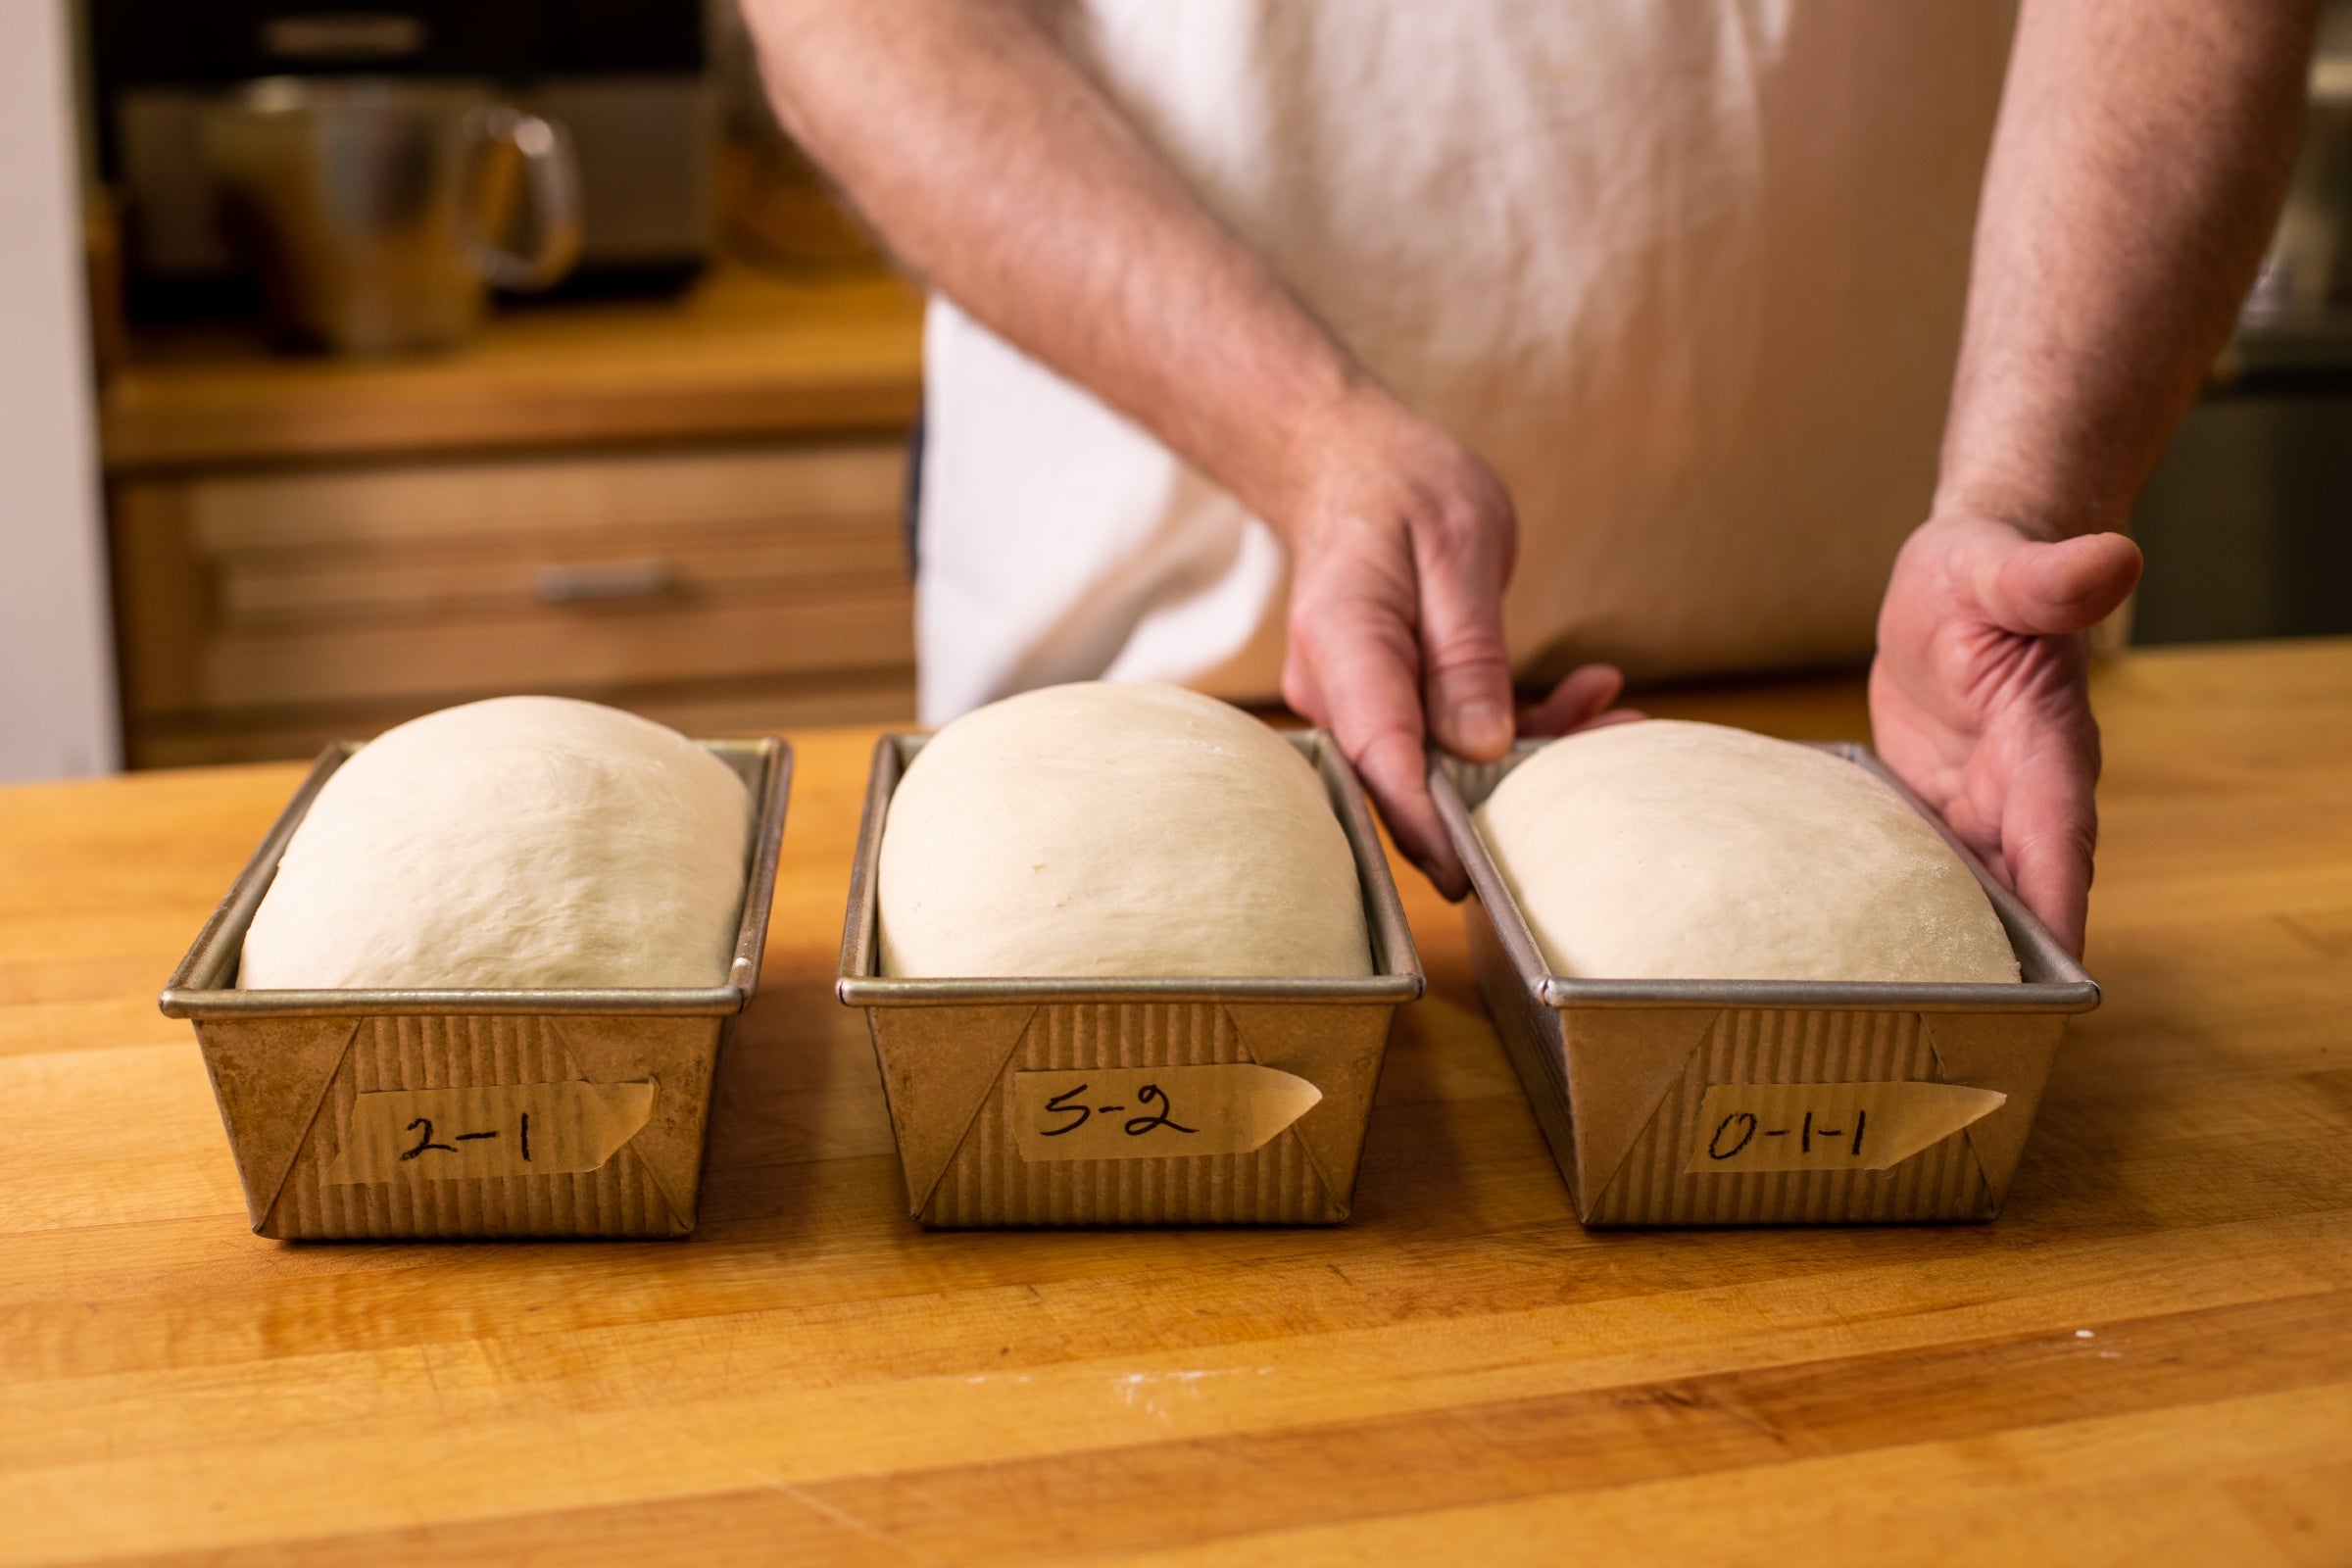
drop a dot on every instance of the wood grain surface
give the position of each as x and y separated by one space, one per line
2147 1359
741 356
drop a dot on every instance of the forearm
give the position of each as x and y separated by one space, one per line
2142 152
996 170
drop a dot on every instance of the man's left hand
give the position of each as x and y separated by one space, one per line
1977 696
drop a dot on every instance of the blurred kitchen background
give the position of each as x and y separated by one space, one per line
359 359
433 348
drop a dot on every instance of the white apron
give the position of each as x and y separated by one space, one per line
1688 274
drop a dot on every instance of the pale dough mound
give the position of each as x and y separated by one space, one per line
1665 849
1115 829
521 843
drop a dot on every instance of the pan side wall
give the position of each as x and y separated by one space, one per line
619 1199
989 1183
1774 1046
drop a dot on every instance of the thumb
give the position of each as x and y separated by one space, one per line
1465 664
2040 590
1576 702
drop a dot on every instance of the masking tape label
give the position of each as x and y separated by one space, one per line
1857 1126
1151 1113
495 1129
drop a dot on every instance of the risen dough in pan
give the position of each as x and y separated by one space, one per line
1115 829
1665 849
518 843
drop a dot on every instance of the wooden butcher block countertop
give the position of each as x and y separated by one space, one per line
2148 1358
739 356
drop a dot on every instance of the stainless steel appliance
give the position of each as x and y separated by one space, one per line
372 208
627 78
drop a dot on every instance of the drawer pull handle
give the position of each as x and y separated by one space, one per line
605 579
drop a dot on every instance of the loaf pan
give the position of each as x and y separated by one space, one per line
1767 1102
392 1114
987 1078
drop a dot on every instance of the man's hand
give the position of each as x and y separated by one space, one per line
1976 697
2137 166
1401 542
999 170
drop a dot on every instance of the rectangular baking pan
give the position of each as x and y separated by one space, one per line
628 1068
1641 1086
952 1054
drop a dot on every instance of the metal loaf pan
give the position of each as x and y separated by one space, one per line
314 1085
1712 1102
962 1064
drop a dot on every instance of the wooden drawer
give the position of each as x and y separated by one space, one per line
273 604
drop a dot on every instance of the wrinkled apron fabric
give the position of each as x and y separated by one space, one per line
1690 276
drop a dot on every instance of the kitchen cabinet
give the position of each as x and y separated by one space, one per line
690 508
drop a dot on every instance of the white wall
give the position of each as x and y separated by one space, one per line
57 684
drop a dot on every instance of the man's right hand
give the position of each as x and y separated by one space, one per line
1401 542
997 170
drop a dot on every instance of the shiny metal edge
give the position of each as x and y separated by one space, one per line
1399 978
860 922
2055 981
198 988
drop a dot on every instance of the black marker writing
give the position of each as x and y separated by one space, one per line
422 1126
1062 1102
427 1141
1136 1126
1746 1125
1715 1148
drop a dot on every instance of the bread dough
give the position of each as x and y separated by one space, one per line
1115 829
520 843
1665 849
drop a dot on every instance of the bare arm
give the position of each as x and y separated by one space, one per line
2143 150
993 167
